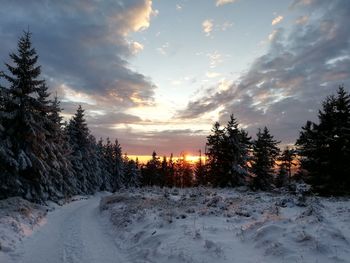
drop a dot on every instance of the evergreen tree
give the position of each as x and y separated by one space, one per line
199 171
215 154
228 154
163 172
236 153
325 147
183 173
131 172
29 155
117 175
286 162
78 135
151 174
265 153
170 175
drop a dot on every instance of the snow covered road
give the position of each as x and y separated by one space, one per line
73 233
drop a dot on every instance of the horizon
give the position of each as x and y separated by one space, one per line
161 73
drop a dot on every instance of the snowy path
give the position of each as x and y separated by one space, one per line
73 233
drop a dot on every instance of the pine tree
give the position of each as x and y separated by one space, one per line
131 173
163 172
30 153
199 171
183 173
265 153
78 135
215 154
117 175
286 162
228 154
43 100
325 147
236 153
151 174
170 176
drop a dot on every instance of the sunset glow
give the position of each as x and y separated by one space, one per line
145 158
160 73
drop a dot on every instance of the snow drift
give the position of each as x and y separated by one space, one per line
206 225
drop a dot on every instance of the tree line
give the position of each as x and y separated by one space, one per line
320 156
42 157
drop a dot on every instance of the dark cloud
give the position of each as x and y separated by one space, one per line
284 87
82 44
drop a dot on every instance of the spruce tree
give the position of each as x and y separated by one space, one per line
151 172
215 154
25 126
228 152
236 147
131 173
200 171
265 153
286 163
170 176
78 135
164 172
117 175
325 147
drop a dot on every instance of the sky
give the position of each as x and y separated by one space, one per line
158 74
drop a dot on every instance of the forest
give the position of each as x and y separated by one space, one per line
42 157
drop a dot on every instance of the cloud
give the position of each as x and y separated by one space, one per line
207 26
226 25
224 2
215 58
302 20
285 86
277 20
136 47
163 50
83 45
213 74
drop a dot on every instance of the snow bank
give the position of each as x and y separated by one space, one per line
206 225
18 218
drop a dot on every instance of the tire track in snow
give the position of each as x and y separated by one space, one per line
74 233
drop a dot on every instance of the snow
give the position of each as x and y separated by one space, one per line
74 232
18 219
178 225
207 225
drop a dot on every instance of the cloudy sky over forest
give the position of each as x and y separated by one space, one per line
157 74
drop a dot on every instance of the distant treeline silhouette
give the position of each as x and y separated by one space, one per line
43 158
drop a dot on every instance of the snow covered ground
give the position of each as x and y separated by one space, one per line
177 225
74 232
211 225
18 219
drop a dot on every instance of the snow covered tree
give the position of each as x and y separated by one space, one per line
265 153
215 154
25 124
236 146
325 147
228 154
131 173
117 175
